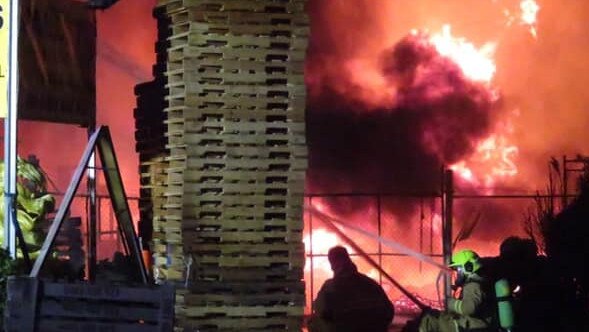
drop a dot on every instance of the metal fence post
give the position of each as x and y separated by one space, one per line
448 199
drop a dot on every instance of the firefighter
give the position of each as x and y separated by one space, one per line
350 301
474 309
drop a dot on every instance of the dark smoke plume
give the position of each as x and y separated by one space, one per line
436 118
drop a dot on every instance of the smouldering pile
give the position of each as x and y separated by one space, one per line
237 157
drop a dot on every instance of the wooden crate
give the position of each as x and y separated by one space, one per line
35 305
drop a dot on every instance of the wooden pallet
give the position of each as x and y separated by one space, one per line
253 91
181 175
193 173
242 261
179 53
238 5
220 128
203 287
293 114
266 324
224 213
190 236
173 225
241 311
246 165
34 305
216 249
282 189
279 210
226 274
211 298
191 106
189 99
201 71
238 18
227 27
232 155
259 42
221 70
245 139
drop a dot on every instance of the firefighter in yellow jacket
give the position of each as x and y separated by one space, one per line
474 309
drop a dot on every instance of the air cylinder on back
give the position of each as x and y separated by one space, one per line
505 307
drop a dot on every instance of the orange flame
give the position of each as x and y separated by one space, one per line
476 63
494 156
493 160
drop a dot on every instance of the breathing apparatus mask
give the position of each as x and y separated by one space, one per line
459 276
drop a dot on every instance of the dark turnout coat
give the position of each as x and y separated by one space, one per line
352 302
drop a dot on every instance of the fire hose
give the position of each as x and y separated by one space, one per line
331 222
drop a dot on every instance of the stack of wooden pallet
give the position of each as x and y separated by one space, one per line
232 227
150 136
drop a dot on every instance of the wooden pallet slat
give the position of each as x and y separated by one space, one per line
230 274
182 52
279 29
268 324
182 15
173 226
243 311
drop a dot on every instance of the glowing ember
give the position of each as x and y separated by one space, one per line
529 15
476 63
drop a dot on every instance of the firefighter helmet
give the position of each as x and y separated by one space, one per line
465 262
466 259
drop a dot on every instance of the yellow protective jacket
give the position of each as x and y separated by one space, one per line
476 308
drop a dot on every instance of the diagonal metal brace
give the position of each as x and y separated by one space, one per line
101 139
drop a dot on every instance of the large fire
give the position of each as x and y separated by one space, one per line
419 83
494 156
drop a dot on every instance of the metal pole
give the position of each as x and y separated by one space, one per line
565 182
312 285
447 229
379 220
10 133
92 211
